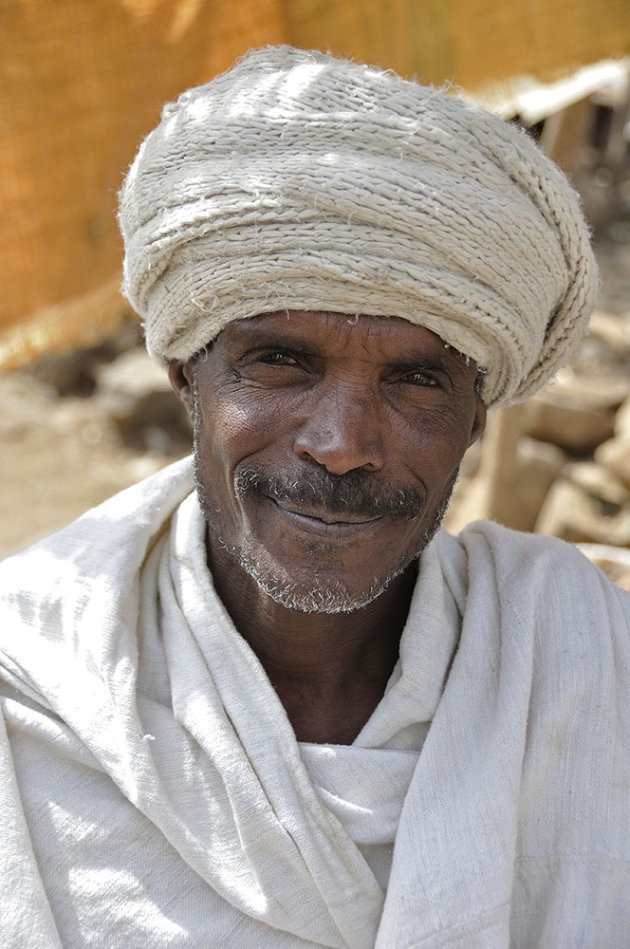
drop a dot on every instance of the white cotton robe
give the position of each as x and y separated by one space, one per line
153 792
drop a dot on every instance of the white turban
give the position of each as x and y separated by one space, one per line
299 181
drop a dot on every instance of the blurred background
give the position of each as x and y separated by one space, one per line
85 412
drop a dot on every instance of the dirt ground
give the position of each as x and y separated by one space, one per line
61 454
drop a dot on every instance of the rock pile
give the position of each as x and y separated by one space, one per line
560 464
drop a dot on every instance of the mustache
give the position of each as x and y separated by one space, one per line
352 493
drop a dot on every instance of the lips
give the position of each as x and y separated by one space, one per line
324 523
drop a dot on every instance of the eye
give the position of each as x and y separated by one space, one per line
421 377
278 358
275 368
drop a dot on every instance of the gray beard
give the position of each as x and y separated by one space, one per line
323 596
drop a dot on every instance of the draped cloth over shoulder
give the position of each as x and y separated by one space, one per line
153 791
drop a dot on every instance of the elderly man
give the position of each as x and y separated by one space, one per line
285 709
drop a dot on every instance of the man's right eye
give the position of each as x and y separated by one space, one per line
278 358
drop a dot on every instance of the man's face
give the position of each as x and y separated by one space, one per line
326 449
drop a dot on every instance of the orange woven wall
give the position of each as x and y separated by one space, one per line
82 81
473 42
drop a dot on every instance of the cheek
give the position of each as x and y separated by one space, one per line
433 446
232 430
227 425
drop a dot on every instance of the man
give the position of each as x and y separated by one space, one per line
285 709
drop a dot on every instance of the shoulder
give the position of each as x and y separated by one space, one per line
549 590
537 605
536 558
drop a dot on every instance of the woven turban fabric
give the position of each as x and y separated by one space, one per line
303 182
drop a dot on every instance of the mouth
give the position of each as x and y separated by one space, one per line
324 523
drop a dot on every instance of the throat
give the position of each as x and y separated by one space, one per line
330 670
331 718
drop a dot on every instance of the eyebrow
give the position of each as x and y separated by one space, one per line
255 338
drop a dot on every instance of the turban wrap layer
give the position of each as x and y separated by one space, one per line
303 182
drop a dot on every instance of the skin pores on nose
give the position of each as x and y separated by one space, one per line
309 397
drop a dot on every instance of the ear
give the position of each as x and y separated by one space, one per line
479 421
180 375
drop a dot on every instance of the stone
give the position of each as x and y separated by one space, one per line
613 329
567 418
622 421
514 500
613 561
499 464
75 372
615 454
600 483
596 358
134 374
136 393
589 390
572 514
538 466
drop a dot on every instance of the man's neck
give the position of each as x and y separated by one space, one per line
330 670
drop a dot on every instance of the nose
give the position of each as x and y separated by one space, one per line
342 431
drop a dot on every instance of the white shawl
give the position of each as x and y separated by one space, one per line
153 792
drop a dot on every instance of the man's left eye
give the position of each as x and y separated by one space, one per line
421 377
